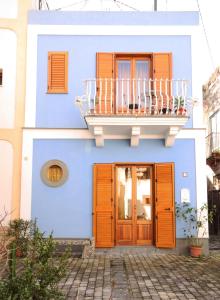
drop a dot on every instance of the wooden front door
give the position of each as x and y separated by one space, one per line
134 205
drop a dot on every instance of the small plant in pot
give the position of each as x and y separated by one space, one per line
179 106
195 225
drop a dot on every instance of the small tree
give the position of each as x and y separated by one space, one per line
195 221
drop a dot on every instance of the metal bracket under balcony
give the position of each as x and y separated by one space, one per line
134 108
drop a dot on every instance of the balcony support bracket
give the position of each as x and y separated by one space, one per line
171 135
135 136
99 136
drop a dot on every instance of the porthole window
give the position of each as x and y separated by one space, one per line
54 173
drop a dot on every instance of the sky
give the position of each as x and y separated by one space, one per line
209 10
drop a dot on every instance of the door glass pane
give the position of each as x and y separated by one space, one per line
142 86
123 82
143 193
124 194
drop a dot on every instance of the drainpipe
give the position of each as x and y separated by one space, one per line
155 5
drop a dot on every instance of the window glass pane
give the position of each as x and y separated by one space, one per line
123 82
143 193
142 84
124 194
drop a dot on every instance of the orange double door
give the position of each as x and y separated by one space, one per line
134 205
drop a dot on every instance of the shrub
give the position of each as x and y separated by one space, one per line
36 276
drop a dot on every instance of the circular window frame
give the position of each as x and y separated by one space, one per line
44 172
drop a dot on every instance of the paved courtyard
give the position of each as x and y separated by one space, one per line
138 276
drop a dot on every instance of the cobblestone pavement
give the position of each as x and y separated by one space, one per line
137 276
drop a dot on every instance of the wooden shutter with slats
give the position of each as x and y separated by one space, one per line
164 207
162 69
57 72
105 82
103 205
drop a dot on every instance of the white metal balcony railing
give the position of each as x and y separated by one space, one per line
142 97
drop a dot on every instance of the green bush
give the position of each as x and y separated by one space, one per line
36 276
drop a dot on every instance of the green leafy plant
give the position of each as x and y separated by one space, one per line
195 221
20 230
36 276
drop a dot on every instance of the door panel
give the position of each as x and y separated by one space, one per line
134 205
103 209
165 209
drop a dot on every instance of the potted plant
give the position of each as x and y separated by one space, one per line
195 225
179 106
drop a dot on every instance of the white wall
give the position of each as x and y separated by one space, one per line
7 90
6 161
8 8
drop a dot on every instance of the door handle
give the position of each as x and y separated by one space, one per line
167 209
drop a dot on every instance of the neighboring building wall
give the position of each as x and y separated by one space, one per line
13 28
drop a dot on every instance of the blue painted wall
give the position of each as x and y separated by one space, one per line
58 110
116 18
67 209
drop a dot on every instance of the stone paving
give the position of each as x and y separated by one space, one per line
138 276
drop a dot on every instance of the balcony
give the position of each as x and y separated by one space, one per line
134 108
213 149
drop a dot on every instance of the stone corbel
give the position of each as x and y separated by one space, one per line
135 136
99 136
171 135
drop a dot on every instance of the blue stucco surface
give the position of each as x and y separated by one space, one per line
112 18
67 209
58 110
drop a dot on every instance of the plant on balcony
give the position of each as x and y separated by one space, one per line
179 105
195 224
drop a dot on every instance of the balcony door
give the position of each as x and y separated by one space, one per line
134 205
132 82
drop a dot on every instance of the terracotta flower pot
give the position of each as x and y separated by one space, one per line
195 251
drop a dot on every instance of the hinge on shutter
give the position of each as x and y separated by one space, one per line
111 199
111 180
156 217
92 213
112 71
156 199
154 71
155 180
112 217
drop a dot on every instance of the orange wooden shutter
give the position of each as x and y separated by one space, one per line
105 83
165 208
57 72
162 69
103 206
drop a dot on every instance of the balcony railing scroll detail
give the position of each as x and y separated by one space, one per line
213 145
108 96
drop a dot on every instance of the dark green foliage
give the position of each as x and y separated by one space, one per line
36 276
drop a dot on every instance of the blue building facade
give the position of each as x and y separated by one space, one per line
110 139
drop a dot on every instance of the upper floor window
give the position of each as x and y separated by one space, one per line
57 72
214 122
135 76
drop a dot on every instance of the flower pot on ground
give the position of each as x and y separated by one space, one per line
195 251
195 222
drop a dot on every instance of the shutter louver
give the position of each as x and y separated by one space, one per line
57 72
103 218
105 88
164 208
162 65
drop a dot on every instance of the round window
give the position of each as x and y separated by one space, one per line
54 173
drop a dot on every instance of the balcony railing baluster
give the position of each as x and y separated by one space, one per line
136 96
